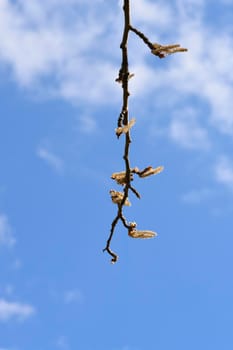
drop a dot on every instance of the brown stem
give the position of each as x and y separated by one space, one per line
142 36
123 119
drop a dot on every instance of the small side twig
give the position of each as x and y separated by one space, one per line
142 36
157 49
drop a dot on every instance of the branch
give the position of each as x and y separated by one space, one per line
157 49
124 178
143 37
123 121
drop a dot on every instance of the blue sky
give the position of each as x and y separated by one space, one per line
59 107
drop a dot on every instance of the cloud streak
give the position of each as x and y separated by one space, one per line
197 196
6 237
15 310
188 133
224 172
73 296
50 158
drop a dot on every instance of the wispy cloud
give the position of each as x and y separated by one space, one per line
188 133
9 348
223 171
16 264
62 342
126 347
15 310
64 50
87 124
53 160
197 196
79 57
201 77
73 296
204 73
81 65
6 237
8 289
159 13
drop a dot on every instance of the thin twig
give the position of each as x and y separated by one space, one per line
137 194
142 36
123 120
125 177
157 49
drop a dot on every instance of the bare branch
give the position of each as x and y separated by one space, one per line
143 37
123 122
158 50
124 178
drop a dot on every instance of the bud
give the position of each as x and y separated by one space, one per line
124 129
117 197
141 234
150 171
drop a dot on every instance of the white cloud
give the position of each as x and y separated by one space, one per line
202 76
185 130
62 343
37 41
15 310
223 171
197 196
9 289
87 124
9 348
189 134
53 160
51 41
23 47
72 296
6 237
150 12
203 73
16 264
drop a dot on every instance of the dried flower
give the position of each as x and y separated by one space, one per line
124 129
164 50
150 171
132 232
117 197
142 234
120 177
